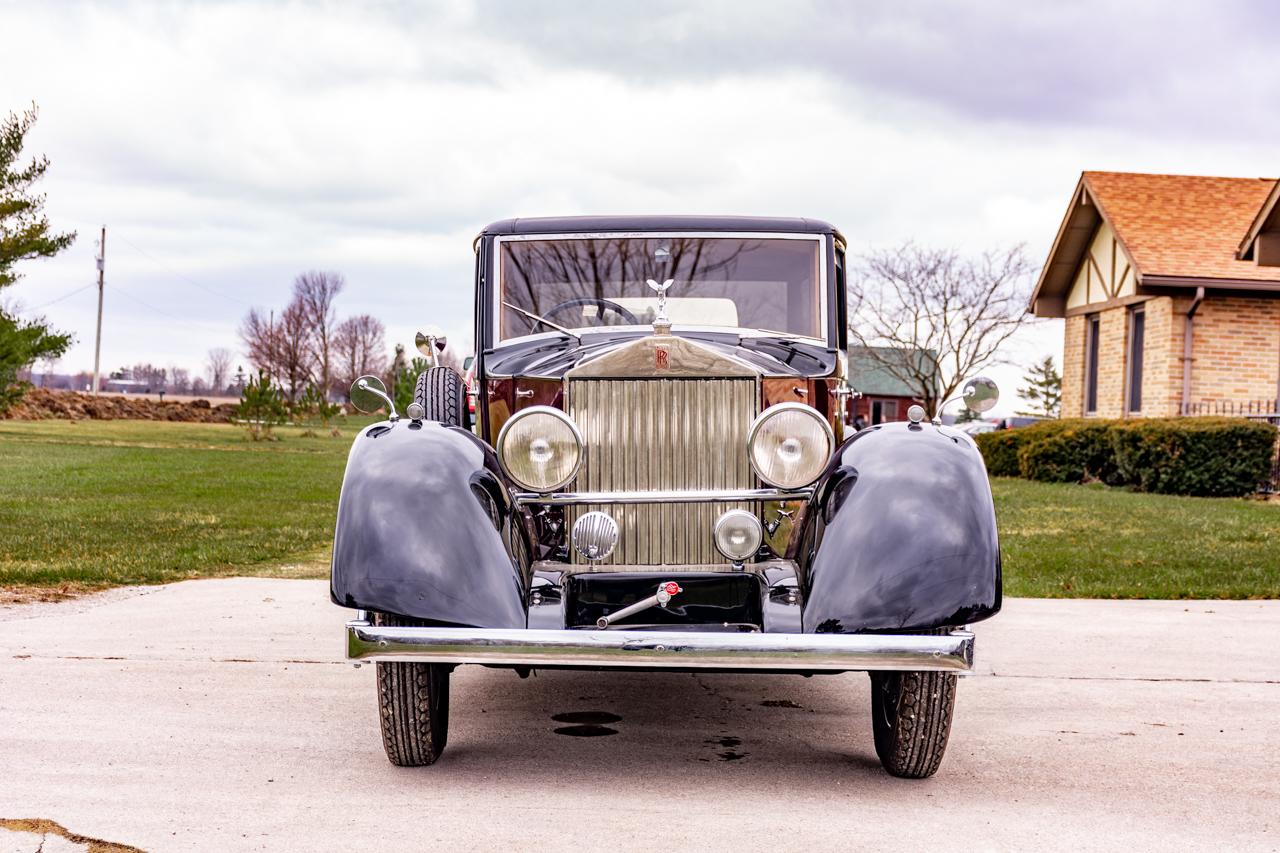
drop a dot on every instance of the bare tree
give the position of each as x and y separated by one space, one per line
293 350
260 334
359 347
281 346
315 292
154 378
219 364
179 380
940 317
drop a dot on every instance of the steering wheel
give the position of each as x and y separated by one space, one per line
605 305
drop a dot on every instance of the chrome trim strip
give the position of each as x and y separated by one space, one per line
675 496
662 649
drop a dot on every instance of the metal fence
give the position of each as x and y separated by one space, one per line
1273 485
1264 409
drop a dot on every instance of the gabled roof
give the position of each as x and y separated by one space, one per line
1268 219
1178 230
869 374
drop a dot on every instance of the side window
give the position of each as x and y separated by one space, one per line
842 302
1092 335
883 411
1137 338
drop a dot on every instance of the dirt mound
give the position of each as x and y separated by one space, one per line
40 403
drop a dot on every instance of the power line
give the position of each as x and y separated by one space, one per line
115 288
44 305
182 277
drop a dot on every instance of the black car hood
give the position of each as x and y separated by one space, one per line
553 355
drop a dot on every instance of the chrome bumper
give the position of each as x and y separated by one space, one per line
662 649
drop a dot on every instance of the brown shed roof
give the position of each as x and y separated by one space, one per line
1177 229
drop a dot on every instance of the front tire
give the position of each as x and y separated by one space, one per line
911 718
413 707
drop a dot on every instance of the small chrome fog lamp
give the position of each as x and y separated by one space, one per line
595 535
738 535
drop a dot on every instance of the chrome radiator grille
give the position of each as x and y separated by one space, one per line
649 434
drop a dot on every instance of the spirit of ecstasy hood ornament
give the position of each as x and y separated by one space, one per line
661 323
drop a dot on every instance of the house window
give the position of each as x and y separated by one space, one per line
1137 335
1092 333
883 411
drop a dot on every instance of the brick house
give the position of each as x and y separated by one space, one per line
885 397
1170 286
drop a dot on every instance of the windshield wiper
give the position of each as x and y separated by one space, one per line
543 320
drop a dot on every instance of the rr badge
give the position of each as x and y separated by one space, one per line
661 358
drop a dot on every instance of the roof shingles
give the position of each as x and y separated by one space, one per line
1183 226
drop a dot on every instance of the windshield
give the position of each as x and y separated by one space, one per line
765 283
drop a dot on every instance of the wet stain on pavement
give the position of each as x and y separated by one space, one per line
586 723
729 751
779 703
586 731
589 718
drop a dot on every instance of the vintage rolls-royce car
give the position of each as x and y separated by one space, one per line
659 478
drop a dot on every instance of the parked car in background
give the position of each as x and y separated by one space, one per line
1017 421
977 427
661 479
469 382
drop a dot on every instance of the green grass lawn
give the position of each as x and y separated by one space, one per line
1095 542
101 503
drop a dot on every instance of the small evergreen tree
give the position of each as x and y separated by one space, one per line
261 407
966 415
405 381
1043 390
24 235
312 403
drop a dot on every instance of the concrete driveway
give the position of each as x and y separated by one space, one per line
213 715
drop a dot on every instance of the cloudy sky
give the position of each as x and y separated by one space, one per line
228 146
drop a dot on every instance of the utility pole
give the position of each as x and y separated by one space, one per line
97 340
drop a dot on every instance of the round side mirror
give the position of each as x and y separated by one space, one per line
980 394
368 394
429 344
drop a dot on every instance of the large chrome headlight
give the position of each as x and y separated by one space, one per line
789 444
540 448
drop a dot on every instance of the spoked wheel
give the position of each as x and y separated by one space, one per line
413 707
443 395
911 719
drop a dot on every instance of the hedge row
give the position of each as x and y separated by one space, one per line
1182 456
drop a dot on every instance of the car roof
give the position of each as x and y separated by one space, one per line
599 224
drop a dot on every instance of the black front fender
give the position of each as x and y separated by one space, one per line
426 529
902 534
